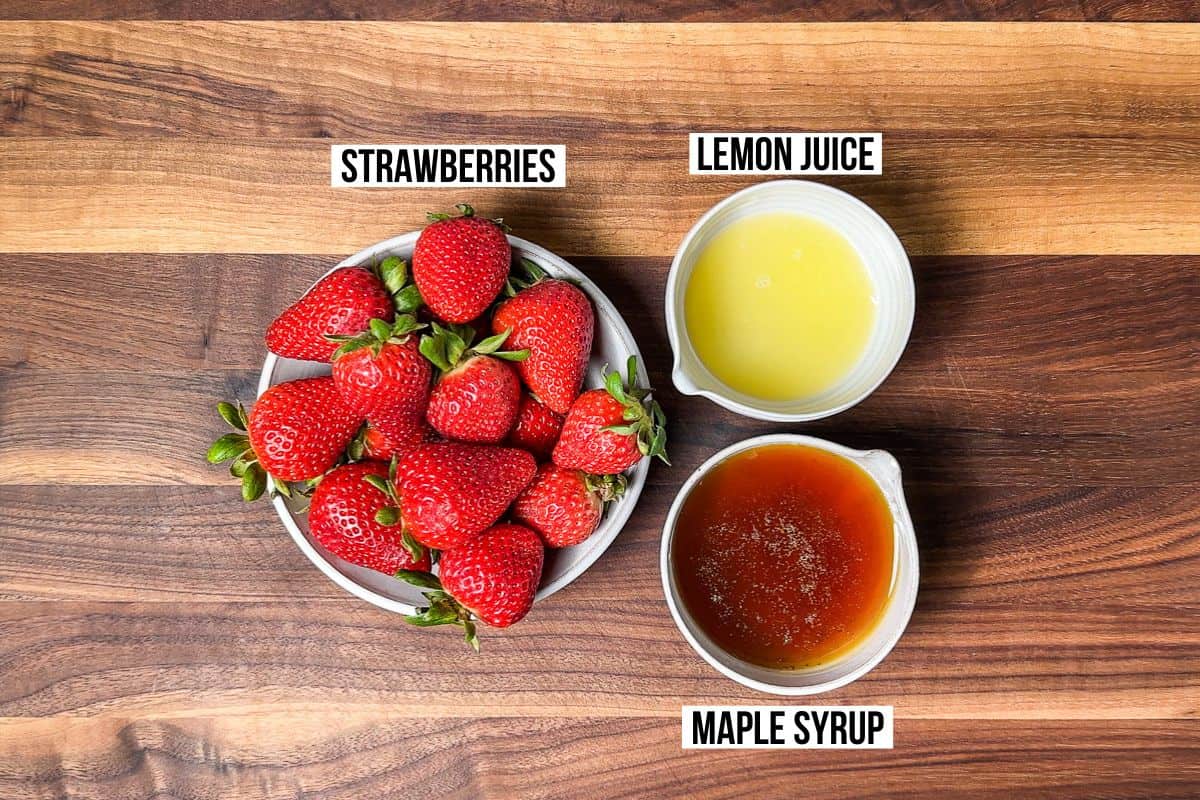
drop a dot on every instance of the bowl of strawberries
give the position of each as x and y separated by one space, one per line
439 428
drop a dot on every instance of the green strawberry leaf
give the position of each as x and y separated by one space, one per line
254 483
394 273
425 580
658 446
231 445
612 384
408 299
532 271
457 340
470 635
349 345
239 466
232 415
512 355
415 549
380 329
642 415
282 487
433 347
388 515
463 210
404 325
379 482
492 343
428 617
358 445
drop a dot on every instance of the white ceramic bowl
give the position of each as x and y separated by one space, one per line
886 263
613 346
905 575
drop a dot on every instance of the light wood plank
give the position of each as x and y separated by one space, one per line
1091 127
610 10
184 195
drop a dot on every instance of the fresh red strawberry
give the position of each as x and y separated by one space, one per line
537 428
609 430
564 505
296 432
493 576
554 320
381 374
372 443
357 522
460 264
341 303
451 491
477 395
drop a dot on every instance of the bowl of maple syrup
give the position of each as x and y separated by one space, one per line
790 562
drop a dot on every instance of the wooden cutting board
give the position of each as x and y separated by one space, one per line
164 191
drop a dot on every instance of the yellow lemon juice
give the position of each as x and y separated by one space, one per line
779 306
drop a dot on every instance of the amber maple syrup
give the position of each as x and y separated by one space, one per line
783 555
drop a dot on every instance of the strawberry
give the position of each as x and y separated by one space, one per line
451 491
477 395
460 264
493 576
353 519
564 505
340 304
554 320
381 374
609 430
372 443
537 428
296 432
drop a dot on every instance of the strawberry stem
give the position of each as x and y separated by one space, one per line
393 272
450 345
607 487
531 274
643 416
377 334
443 609
390 515
235 447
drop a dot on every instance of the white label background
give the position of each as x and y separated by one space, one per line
883 739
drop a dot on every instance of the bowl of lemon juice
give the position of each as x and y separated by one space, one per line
788 301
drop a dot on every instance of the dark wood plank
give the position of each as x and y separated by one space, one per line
573 656
944 425
613 10
339 758
206 311
1026 546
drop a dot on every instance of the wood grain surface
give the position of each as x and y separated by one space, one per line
1091 127
613 10
164 192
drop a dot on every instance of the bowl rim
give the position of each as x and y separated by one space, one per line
674 311
906 584
616 514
